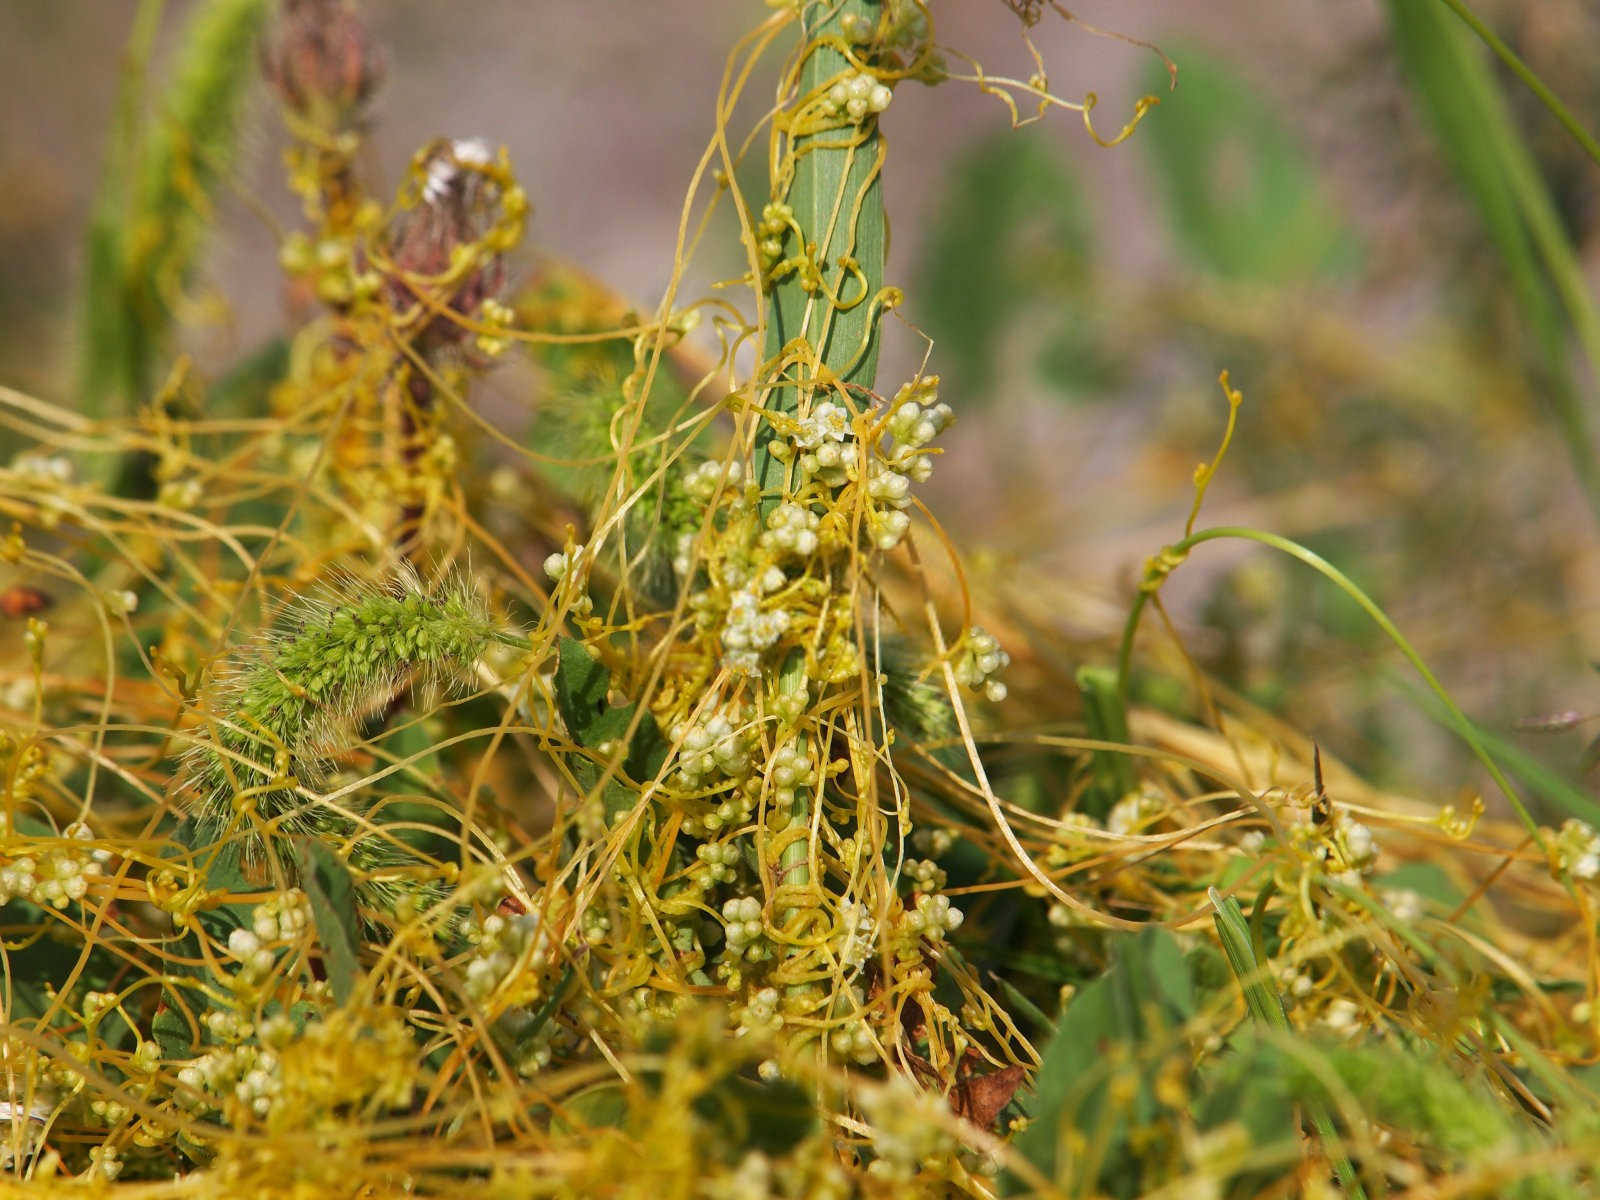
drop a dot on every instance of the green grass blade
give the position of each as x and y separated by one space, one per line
1523 72
1266 1007
1477 134
150 220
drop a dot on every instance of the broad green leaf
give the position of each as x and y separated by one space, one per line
581 684
1112 1026
328 886
172 1033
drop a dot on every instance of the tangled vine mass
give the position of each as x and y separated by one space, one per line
624 794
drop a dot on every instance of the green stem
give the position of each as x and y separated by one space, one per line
837 201
795 864
1458 719
1522 71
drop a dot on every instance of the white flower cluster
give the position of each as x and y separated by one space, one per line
934 917
720 858
981 659
860 931
855 1041
1343 843
703 482
256 961
792 769
1578 849
742 916
42 468
57 873
750 629
251 1074
714 750
821 446
856 95
908 1128
791 530
503 946
760 1014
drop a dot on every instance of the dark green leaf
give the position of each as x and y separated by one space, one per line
580 686
1127 1013
331 891
752 1114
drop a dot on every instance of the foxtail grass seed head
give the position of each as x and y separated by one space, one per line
293 698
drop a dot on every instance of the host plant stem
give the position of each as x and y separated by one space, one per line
836 195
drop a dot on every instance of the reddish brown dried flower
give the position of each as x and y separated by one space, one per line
459 203
322 61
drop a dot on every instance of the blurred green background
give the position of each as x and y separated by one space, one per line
1378 232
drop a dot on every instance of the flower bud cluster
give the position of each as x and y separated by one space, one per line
713 750
791 532
760 1014
981 659
1577 849
854 1040
41 468
713 475
56 873
933 917
925 875
504 947
908 1129
251 1074
721 860
1134 813
558 567
256 961
776 221
793 769
933 840
282 916
750 628
856 96
744 930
